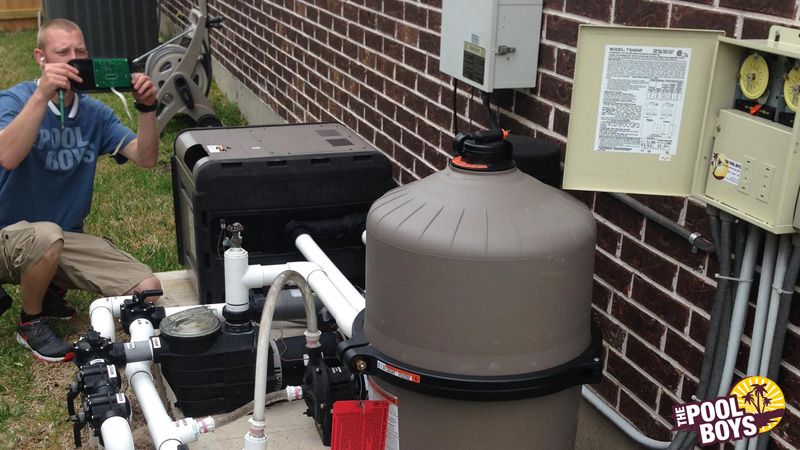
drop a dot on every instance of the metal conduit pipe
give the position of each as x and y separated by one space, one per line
695 238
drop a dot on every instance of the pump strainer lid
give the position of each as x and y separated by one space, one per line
190 323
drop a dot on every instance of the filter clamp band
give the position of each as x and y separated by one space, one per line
361 357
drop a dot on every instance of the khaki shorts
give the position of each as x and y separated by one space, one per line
87 262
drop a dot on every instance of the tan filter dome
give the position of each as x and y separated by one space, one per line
481 273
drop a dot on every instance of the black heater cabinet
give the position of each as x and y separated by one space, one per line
264 177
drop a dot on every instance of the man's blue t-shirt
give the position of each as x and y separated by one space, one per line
54 182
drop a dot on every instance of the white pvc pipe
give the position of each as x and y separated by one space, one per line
259 276
315 254
784 251
166 434
158 421
740 308
364 237
236 292
102 313
116 433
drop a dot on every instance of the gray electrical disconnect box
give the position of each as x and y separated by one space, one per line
491 44
689 112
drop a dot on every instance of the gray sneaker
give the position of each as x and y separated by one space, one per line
43 342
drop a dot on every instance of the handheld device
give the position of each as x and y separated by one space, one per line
102 74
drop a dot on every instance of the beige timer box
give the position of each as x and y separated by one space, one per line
689 112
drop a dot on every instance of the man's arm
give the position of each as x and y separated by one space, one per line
17 139
143 150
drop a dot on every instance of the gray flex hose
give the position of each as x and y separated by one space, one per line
722 236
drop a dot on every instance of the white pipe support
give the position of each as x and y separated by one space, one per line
116 433
235 266
312 252
102 313
621 422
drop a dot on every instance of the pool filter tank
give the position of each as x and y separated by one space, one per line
477 326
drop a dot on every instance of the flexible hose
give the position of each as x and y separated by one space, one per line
490 116
776 353
285 277
721 234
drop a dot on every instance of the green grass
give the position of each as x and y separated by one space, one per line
132 206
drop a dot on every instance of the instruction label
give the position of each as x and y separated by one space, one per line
641 99
374 392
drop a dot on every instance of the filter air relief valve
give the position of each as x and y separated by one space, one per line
483 151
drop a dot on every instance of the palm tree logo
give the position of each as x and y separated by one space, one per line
762 398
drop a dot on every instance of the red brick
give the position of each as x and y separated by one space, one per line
607 389
596 9
688 17
613 334
660 303
674 246
687 355
619 214
670 207
585 197
555 89
654 266
414 14
781 8
393 8
789 427
560 121
560 29
601 295
653 363
547 56
557 5
695 289
698 328
790 385
566 62
612 273
532 108
607 238
755 29
642 418
429 42
791 348
386 25
435 21
637 321
407 34
631 378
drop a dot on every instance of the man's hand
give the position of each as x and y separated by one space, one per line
144 91
57 76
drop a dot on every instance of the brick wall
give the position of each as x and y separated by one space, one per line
373 65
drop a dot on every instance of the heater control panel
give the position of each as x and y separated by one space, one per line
491 44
